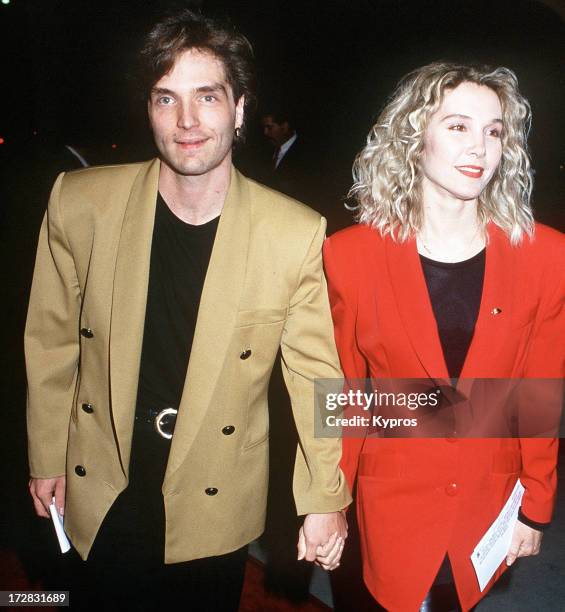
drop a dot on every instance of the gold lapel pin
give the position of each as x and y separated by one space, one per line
496 311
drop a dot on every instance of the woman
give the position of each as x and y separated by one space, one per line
446 276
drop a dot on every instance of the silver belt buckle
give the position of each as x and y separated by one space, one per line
159 425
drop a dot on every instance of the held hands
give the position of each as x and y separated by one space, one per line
525 542
43 490
321 539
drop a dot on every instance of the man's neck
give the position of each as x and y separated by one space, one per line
195 199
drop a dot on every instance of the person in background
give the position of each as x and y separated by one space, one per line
446 276
291 169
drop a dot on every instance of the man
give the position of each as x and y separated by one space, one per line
281 134
291 168
162 291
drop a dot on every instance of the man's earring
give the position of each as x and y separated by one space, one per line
237 132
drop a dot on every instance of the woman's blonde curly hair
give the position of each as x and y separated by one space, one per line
387 174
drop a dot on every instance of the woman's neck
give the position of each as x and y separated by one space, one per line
451 230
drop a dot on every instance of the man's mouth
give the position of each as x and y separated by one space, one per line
471 171
191 143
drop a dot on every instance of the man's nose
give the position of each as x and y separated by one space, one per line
187 116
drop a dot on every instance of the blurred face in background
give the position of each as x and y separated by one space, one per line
462 143
276 133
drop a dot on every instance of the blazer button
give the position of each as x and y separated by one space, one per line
228 430
451 490
89 408
80 471
87 332
245 354
211 491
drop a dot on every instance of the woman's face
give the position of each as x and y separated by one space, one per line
462 144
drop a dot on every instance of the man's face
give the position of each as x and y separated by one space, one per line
276 133
193 114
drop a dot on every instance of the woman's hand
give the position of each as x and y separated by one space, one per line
525 542
321 539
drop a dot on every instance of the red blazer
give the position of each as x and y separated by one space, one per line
420 498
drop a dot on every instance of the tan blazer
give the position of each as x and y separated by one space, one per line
264 289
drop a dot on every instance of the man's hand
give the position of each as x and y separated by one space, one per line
42 492
321 539
525 542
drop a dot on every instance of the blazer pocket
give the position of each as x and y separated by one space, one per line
254 443
257 425
380 466
260 316
506 462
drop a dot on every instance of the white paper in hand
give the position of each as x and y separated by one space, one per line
58 523
493 547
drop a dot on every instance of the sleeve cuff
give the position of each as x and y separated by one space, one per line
524 519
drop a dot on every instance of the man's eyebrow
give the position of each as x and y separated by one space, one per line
162 90
459 116
211 88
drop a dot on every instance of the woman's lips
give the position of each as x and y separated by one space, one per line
471 171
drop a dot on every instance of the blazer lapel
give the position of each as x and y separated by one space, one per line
216 318
414 305
495 305
129 297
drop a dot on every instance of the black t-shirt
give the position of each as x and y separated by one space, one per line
180 254
455 292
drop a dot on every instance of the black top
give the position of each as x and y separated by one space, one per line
455 292
135 526
180 254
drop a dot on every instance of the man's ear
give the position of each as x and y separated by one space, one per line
239 112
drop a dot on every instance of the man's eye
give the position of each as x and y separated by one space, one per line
166 100
458 127
209 98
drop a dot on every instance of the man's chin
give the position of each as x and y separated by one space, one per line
192 168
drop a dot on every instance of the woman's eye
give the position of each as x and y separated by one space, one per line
495 132
458 127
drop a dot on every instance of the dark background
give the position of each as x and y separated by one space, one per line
67 70
67 67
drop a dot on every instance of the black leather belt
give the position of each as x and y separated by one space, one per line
163 421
